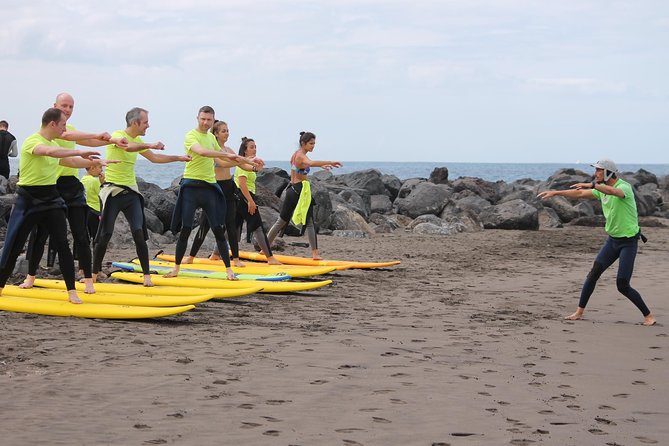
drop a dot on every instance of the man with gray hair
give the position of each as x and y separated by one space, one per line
622 226
120 192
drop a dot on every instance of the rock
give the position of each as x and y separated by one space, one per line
425 198
528 196
564 178
648 198
380 204
153 223
392 184
369 180
485 189
548 218
6 203
563 207
439 175
323 206
473 203
408 186
595 221
160 201
274 179
350 234
383 223
644 177
4 185
344 219
465 219
514 214
265 197
431 224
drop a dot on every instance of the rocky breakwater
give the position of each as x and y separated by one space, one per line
364 203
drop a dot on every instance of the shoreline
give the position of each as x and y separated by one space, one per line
464 341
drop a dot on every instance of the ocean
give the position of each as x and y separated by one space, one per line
164 174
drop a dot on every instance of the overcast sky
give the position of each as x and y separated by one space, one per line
390 80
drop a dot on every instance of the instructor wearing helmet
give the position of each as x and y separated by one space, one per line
622 226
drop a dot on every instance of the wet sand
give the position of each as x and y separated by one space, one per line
462 344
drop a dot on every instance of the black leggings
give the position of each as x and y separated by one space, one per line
287 209
230 223
53 220
208 200
130 203
624 250
76 216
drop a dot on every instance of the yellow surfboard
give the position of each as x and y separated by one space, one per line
97 311
124 288
250 268
305 261
141 300
207 284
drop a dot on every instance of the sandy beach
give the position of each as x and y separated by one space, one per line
464 343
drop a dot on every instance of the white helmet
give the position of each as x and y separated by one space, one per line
609 167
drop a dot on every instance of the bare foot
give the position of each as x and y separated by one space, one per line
315 255
73 298
28 283
576 315
238 263
649 320
88 289
187 260
173 273
231 274
214 257
147 280
272 261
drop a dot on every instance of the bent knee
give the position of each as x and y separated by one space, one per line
623 285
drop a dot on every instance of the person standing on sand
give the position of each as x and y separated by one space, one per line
227 184
38 200
298 194
248 210
622 227
120 192
7 148
72 191
199 189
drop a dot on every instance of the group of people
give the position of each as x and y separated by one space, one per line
50 194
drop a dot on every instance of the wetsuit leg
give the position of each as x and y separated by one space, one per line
36 242
222 245
607 255
20 240
76 216
135 215
628 250
231 228
203 229
57 225
105 230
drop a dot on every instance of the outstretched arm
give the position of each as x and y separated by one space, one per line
60 152
160 158
578 190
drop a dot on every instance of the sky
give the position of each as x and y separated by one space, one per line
376 80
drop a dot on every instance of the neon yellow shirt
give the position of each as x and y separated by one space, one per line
250 178
92 188
200 167
64 171
37 170
122 173
622 219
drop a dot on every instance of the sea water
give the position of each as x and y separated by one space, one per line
164 174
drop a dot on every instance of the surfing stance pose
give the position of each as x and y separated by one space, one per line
248 210
622 227
227 184
37 199
298 203
120 192
72 191
199 189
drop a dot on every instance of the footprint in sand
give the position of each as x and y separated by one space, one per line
605 407
538 374
640 370
397 401
271 433
484 393
277 402
646 440
319 382
601 420
621 395
441 443
492 409
246 406
369 409
521 442
249 425
596 431
272 419
389 354
528 365
462 434
141 426
638 383
352 443
546 412
381 420
156 441
348 430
